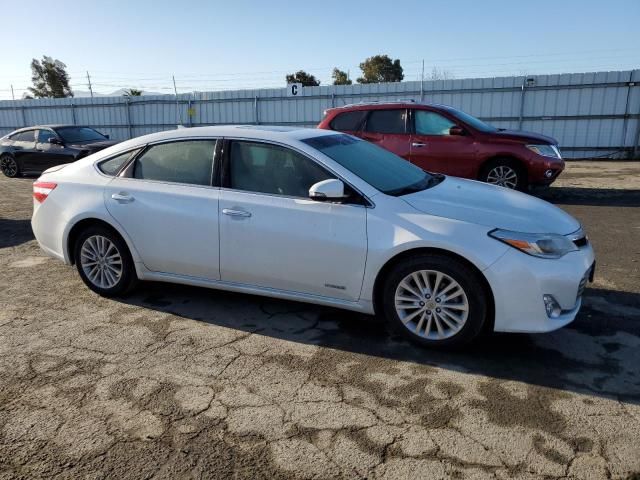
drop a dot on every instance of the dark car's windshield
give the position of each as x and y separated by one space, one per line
380 168
79 134
471 120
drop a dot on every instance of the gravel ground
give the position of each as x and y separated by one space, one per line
178 382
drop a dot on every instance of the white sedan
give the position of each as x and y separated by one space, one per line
319 217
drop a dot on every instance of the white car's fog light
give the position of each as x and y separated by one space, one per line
552 306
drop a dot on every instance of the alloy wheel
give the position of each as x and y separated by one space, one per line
101 261
503 176
431 304
9 166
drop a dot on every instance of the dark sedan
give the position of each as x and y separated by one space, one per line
35 149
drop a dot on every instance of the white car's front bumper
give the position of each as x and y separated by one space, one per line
519 282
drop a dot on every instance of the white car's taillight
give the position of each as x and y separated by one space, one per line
41 190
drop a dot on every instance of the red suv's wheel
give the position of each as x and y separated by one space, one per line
504 172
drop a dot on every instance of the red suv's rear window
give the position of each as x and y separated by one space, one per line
348 121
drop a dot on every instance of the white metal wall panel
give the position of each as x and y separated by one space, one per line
584 111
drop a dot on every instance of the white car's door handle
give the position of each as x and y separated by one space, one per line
418 144
122 197
235 213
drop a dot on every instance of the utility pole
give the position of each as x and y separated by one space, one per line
422 83
15 109
89 82
175 90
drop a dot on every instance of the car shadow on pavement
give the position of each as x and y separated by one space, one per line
598 197
14 232
596 355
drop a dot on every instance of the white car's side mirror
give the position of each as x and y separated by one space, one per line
327 190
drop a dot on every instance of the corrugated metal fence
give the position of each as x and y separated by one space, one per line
591 114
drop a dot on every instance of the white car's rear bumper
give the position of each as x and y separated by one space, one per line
48 229
519 282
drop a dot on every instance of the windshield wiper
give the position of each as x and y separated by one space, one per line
433 180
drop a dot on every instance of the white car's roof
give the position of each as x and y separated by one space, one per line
261 132
286 135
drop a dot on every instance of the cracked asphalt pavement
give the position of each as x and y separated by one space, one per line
181 382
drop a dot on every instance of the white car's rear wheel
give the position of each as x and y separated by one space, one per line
435 300
103 261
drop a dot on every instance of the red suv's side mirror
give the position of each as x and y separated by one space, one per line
456 130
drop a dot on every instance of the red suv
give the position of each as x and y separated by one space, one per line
443 139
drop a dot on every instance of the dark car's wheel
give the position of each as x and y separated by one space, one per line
435 301
504 172
9 166
104 262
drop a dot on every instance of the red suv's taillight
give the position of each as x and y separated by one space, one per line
41 190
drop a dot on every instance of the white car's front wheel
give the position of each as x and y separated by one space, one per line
435 300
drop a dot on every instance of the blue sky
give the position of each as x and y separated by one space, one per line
244 44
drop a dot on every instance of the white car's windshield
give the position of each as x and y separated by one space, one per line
378 167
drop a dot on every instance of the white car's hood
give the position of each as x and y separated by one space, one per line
492 206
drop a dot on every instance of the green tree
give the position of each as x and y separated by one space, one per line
306 79
132 92
340 77
380 68
50 79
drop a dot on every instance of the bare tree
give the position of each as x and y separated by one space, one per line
441 74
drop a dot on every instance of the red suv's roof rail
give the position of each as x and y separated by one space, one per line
378 102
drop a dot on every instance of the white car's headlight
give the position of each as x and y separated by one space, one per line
543 245
545 150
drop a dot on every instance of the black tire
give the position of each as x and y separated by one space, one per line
9 166
127 279
460 273
491 172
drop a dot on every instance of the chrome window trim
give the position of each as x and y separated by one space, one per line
144 146
225 189
162 182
